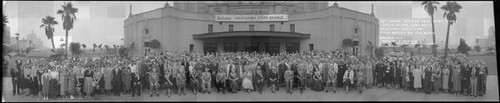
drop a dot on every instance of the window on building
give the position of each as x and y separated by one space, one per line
210 28
251 27
292 27
311 47
356 30
271 27
191 47
146 31
230 27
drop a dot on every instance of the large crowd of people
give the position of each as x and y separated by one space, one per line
175 73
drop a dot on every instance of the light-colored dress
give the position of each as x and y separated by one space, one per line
369 74
446 75
108 76
71 82
417 82
247 81
64 82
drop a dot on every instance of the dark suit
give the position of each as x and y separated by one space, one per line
15 75
117 82
136 85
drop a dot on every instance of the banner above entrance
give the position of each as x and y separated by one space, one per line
267 17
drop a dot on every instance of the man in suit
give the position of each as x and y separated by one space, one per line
14 73
117 81
136 84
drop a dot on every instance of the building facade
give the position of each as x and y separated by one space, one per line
261 26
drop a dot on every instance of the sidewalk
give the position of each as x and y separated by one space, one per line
373 94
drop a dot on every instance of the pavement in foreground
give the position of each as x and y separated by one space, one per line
373 94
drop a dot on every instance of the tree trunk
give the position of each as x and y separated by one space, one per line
66 45
434 47
53 46
446 44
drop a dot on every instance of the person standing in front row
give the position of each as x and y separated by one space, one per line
206 80
117 81
15 80
289 79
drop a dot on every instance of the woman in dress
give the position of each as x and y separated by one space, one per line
437 78
456 80
88 88
194 78
108 76
317 81
289 79
63 80
417 74
361 77
181 80
45 84
473 80
369 74
127 78
446 75
234 80
247 80
71 82
168 83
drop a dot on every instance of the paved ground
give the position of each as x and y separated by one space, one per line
373 94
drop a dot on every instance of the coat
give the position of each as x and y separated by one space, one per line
117 79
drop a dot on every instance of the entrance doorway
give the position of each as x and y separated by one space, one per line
292 47
251 47
209 48
230 47
272 48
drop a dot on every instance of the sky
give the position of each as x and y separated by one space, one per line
102 21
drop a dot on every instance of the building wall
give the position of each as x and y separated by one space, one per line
174 28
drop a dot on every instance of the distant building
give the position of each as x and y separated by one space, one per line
22 43
254 26
36 41
489 41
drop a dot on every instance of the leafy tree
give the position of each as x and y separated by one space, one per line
49 22
123 51
463 47
100 45
29 49
95 46
477 48
84 46
450 9
75 48
68 17
347 42
106 47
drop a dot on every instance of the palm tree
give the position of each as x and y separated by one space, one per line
68 18
449 12
430 7
95 46
48 23
5 20
84 46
